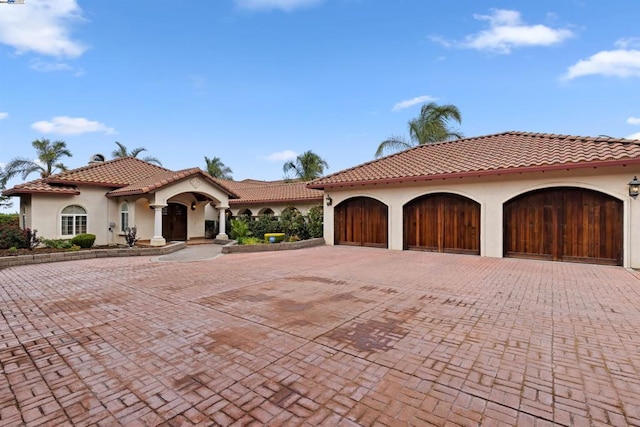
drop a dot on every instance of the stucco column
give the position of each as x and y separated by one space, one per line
222 235
157 239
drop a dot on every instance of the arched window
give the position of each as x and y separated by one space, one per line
74 220
124 217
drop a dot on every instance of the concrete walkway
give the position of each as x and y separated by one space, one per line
193 253
323 336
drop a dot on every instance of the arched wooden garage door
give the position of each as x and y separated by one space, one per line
361 221
564 224
442 223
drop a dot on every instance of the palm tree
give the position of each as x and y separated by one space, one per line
217 169
47 164
123 152
431 126
307 166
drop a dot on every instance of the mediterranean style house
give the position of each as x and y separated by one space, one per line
106 197
513 194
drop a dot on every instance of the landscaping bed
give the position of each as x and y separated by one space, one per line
41 255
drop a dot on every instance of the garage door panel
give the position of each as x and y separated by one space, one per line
442 223
361 221
564 224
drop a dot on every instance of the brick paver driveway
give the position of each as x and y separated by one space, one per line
330 335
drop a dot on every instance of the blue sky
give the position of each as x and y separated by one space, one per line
255 82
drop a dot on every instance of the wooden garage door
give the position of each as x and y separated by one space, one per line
442 223
361 221
564 224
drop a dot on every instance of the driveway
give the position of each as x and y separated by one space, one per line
322 336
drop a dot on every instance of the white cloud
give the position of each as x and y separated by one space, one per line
622 62
507 31
64 125
286 5
413 101
47 67
3 115
282 156
633 120
634 136
42 26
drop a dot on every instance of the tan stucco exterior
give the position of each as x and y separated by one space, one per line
43 211
491 192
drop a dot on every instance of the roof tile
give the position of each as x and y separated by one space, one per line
498 153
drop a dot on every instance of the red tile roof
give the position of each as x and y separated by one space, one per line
161 179
40 186
252 192
112 173
128 175
508 152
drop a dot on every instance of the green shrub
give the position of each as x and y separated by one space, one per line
74 248
315 219
249 241
85 241
57 243
10 220
240 229
294 224
265 224
12 236
13 250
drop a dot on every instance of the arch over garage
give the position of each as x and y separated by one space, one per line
442 222
564 224
361 221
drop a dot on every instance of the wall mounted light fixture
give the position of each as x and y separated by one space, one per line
193 206
634 187
329 201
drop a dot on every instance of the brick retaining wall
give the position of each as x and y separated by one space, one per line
12 261
265 247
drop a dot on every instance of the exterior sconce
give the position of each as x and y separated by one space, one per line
193 206
329 201
634 187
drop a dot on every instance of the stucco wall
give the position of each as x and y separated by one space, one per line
46 214
491 193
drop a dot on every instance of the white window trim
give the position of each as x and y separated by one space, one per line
86 215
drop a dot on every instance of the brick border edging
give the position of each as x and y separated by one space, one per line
12 261
269 247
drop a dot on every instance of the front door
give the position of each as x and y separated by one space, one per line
174 222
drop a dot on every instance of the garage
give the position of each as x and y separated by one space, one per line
361 221
442 222
564 224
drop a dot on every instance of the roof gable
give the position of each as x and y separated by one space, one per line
112 173
162 179
508 152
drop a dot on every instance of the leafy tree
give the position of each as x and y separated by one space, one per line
48 162
217 169
123 152
293 224
307 166
315 221
432 125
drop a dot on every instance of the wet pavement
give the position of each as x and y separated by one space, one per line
321 336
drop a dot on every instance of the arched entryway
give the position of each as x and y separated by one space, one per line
361 221
174 222
442 222
564 224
